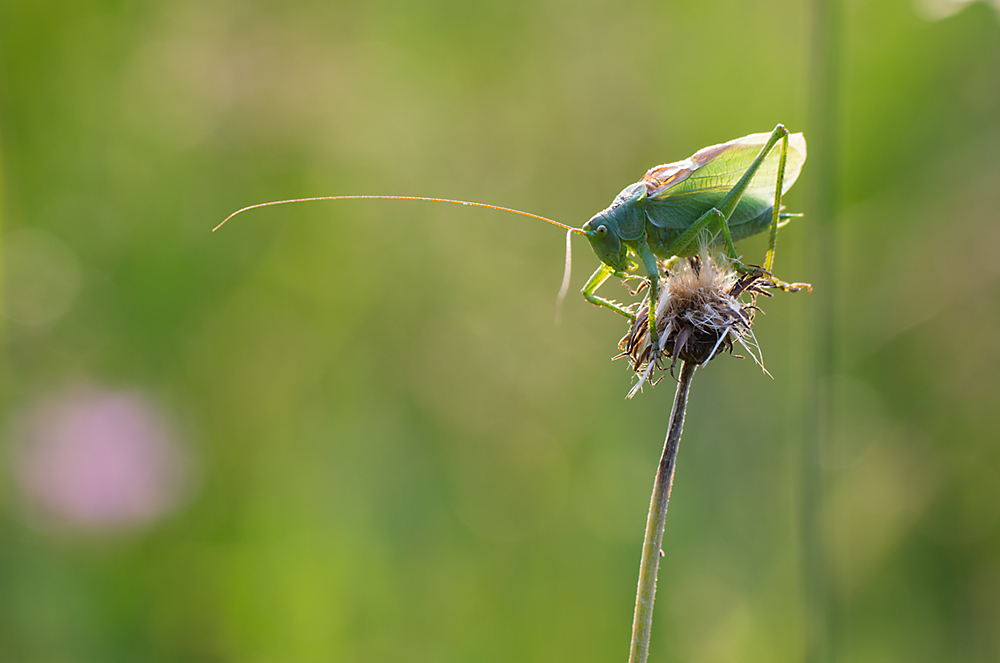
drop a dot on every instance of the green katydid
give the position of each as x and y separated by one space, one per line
720 194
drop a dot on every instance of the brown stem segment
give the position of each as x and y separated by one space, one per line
642 623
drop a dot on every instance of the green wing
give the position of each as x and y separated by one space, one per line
678 193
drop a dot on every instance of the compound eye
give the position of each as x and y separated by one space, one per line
602 230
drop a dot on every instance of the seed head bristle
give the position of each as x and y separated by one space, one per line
704 307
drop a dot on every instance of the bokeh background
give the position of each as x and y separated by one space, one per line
351 431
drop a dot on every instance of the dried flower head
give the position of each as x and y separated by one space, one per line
703 310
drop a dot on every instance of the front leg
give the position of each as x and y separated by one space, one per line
595 281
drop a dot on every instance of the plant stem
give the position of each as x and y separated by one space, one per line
642 623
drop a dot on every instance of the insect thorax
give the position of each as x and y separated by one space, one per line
627 212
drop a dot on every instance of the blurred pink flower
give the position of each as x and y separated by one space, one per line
98 459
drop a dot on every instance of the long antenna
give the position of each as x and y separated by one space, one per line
433 200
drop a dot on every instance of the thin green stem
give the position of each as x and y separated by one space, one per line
642 623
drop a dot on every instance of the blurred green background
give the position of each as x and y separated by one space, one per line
351 431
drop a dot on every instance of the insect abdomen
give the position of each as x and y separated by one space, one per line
757 224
